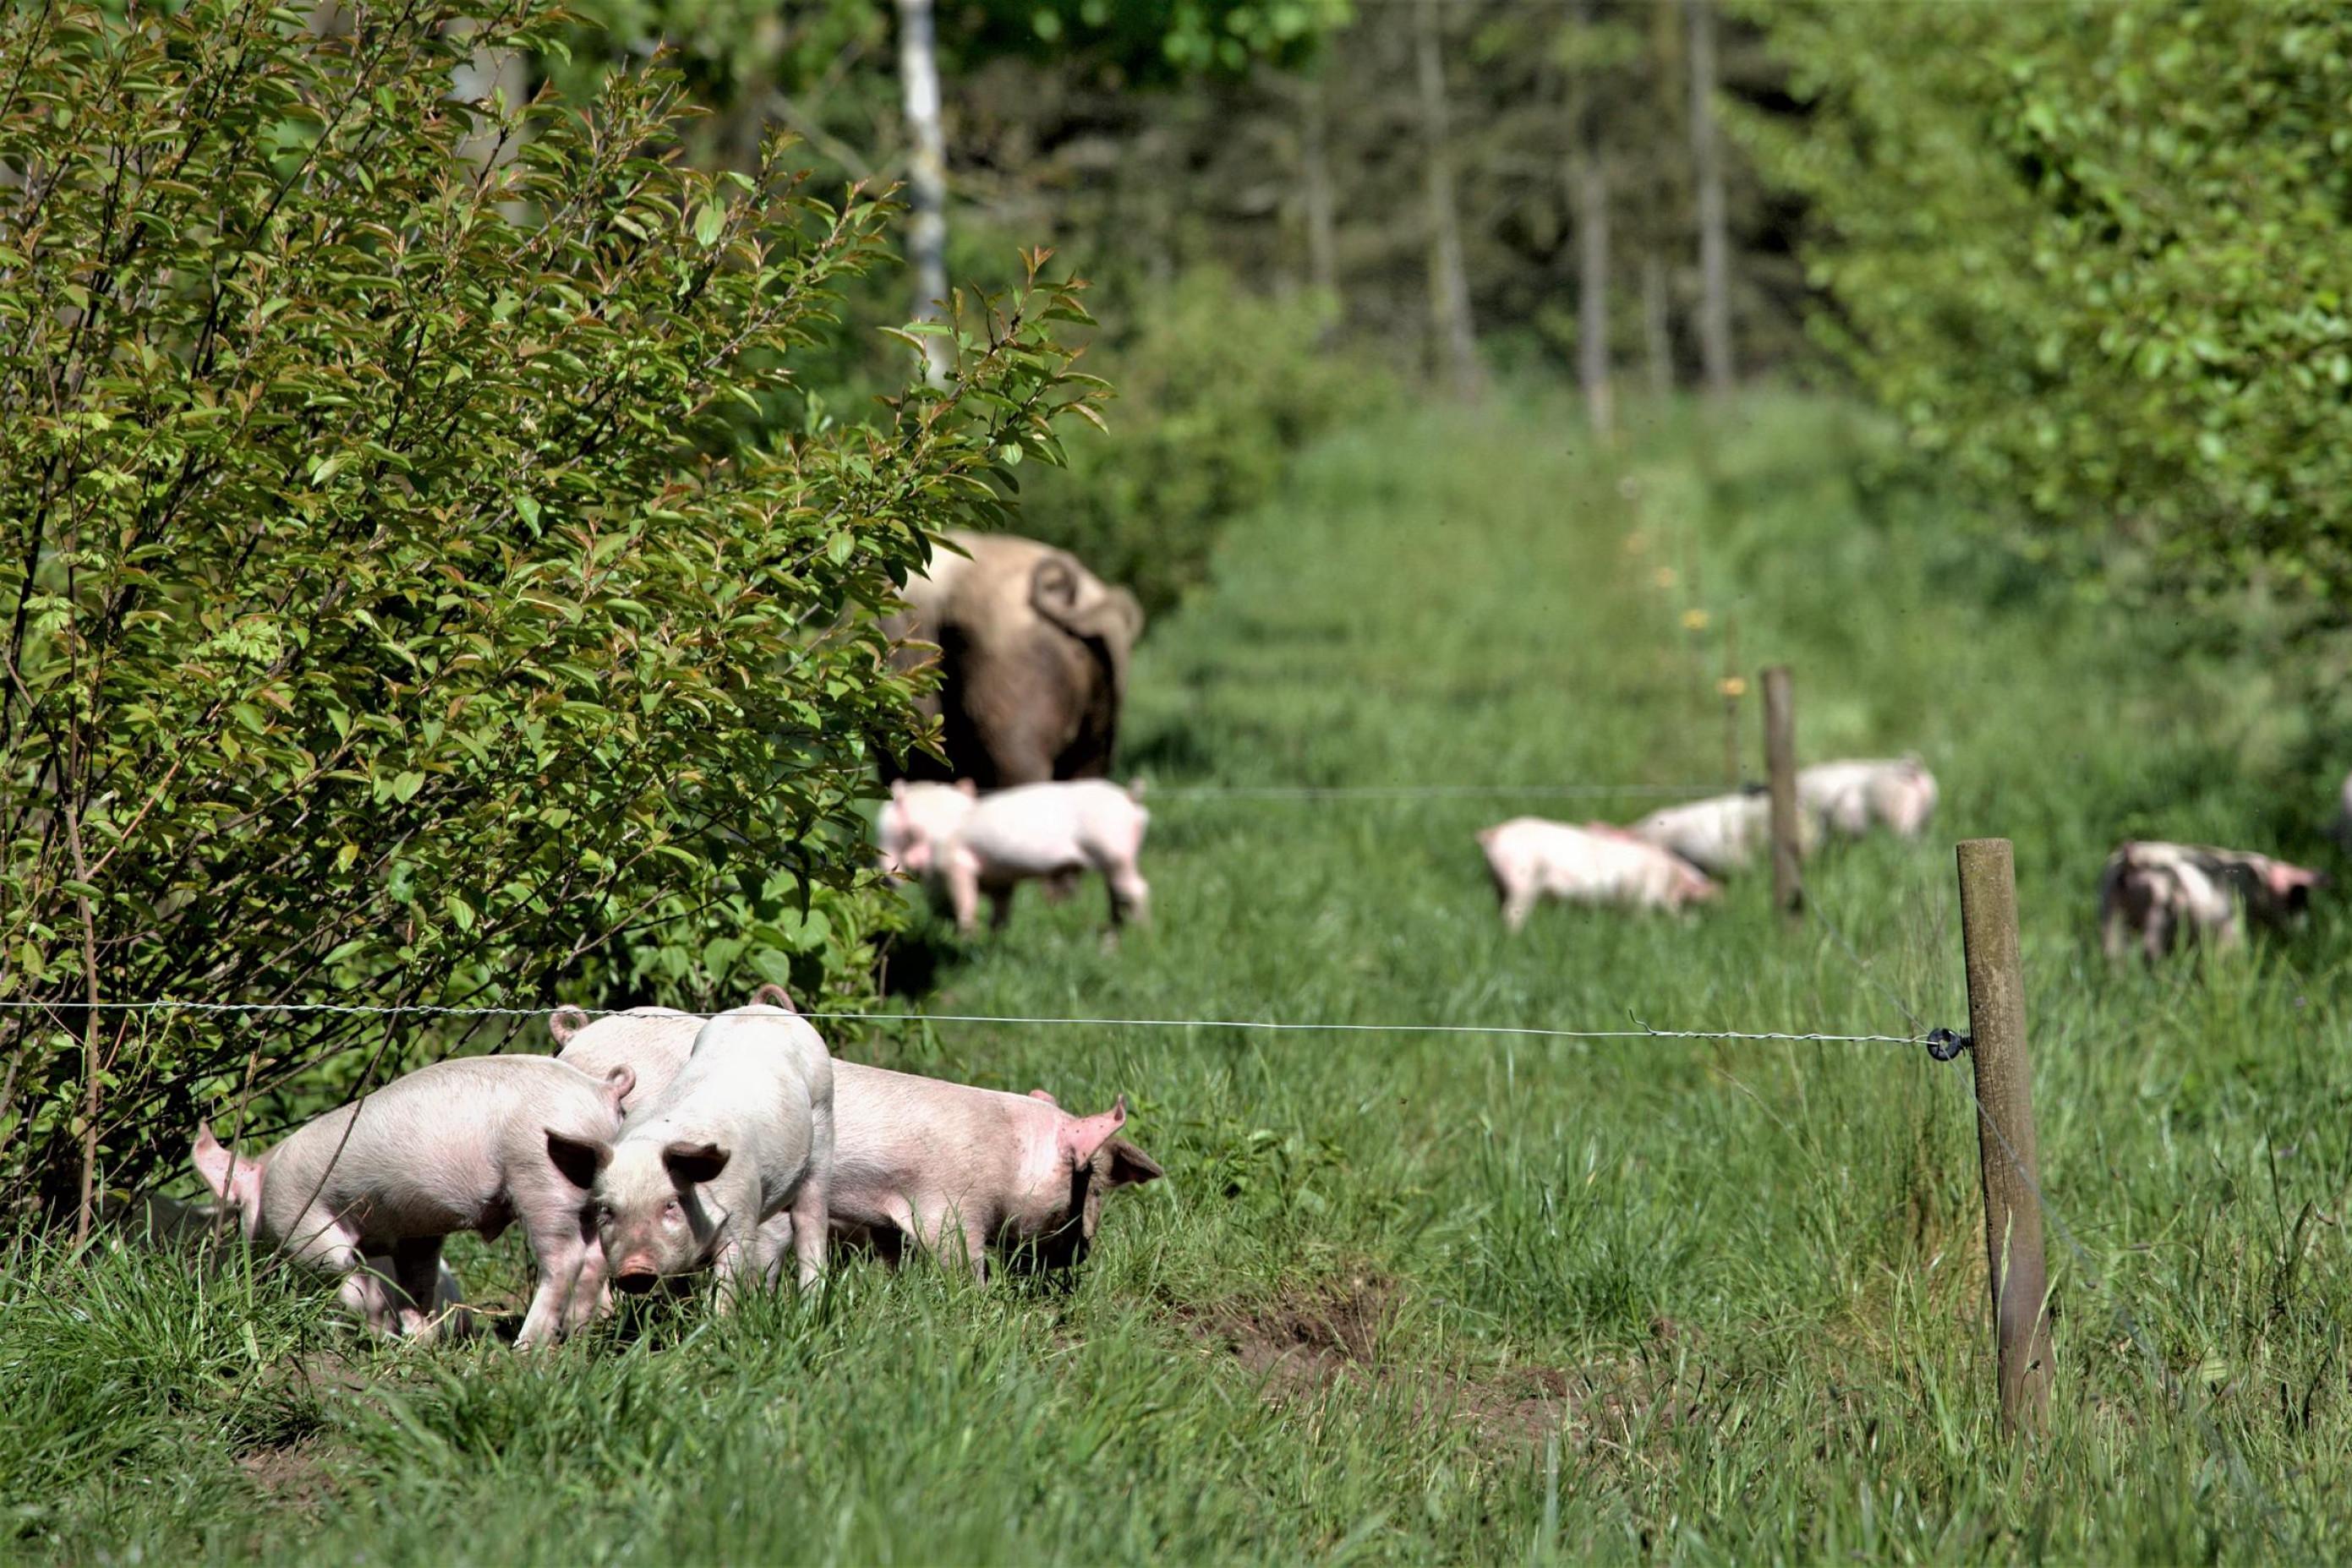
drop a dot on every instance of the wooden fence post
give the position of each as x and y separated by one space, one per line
2005 1145
1781 769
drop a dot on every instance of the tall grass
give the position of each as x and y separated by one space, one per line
1429 1297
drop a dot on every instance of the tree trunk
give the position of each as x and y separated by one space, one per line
1587 197
1315 178
1454 337
927 177
1655 337
1707 170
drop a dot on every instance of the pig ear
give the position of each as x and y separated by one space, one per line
1082 1135
578 1160
1135 788
233 1180
1041 1094
897 788
691 1164
564 1022
1129 1164
966 788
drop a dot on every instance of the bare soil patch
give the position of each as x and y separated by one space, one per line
1304 1343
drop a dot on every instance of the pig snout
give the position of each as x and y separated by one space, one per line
636 1276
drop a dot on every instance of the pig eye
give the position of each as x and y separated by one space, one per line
670 1210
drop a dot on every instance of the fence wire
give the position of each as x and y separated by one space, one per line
1641 1030
1586 791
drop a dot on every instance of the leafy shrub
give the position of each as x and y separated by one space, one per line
1217 388
395 610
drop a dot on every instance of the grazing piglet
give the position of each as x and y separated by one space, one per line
1596 863
370 1191
962 845
743 1133
1721 834
922 1159
955 1169
1851 795
2165 895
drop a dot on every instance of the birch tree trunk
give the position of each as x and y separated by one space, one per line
1454 337
1706 169
1587 179
927 177
1655 336
1315 178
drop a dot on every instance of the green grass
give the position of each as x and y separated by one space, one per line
1422 1297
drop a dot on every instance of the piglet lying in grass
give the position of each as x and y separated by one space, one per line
962 845
1597 864
1852 796
368 1192
936 1165
1721 834
2161 896
740 1133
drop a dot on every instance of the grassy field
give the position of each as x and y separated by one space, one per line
1427 1297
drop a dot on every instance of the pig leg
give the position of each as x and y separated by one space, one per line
330 1246
776 1238
367 1289
950 1230
590 1299
450 1301
1517 902
737 1255
1130 895
811 1222
963 892
417 1271
564 1269
975 1249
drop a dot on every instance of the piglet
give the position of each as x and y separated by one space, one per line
962 845
1721 834
923 1160
1597 864
2162 896
369 1192
743 1133
957 1170
1853 795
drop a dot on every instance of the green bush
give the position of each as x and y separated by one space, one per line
2091 254
1216 388
395 610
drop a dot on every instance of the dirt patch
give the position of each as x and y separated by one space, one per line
292 1475
1302 1343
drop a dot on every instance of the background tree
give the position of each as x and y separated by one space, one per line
2092 256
